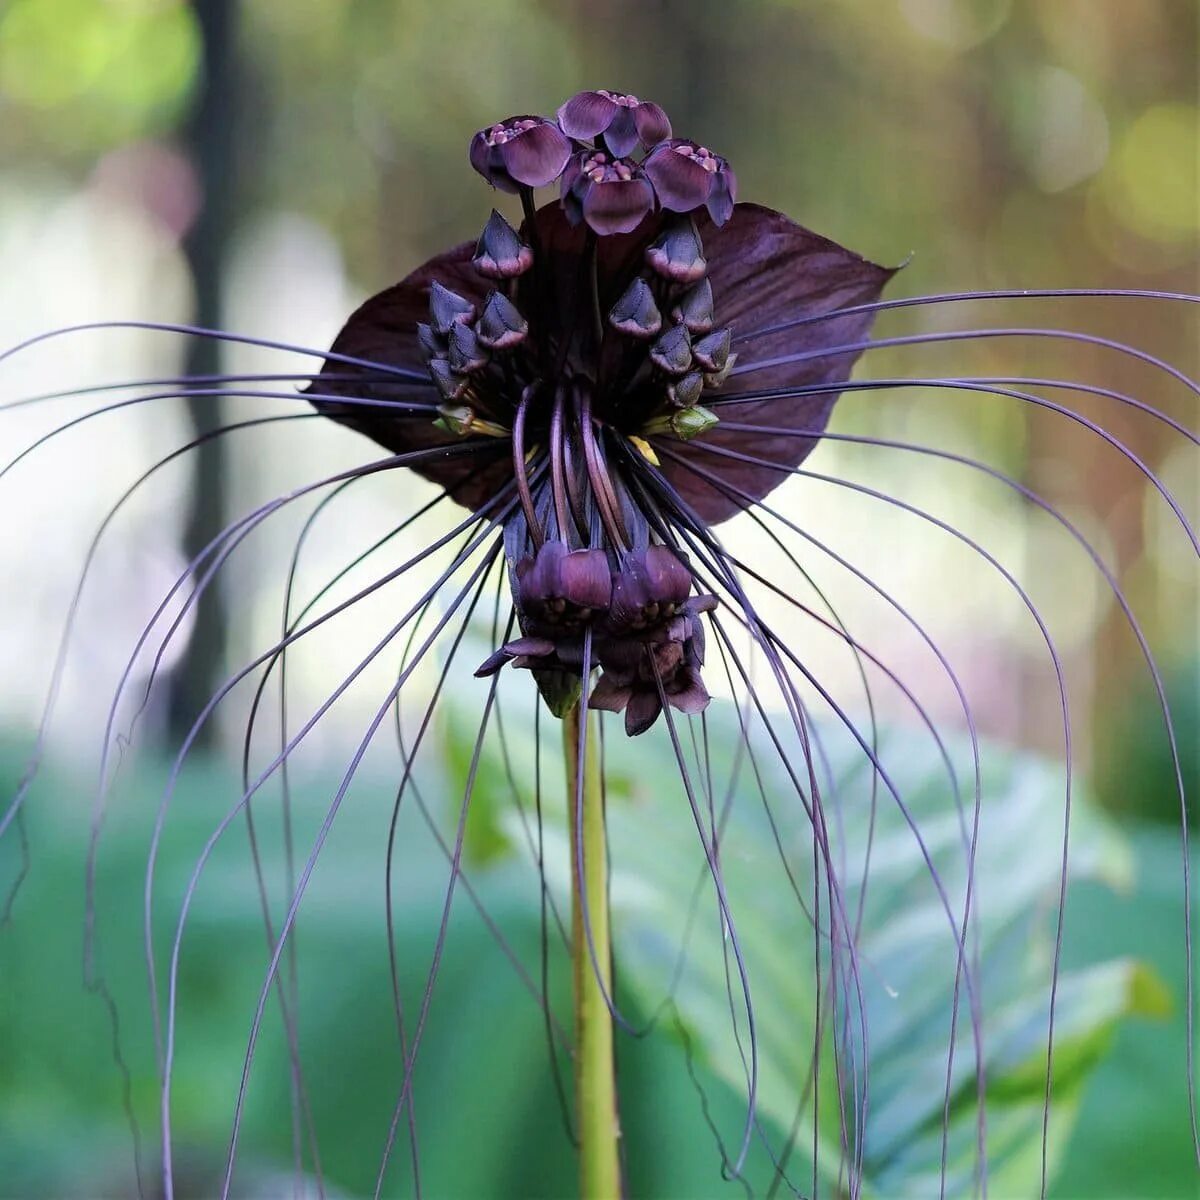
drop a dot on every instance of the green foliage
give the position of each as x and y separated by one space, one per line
487 1115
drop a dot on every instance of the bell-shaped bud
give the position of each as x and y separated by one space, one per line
520 152
447 308
695 307
466 353
635 313
448 382
683 393
500 325
711 352
431 344
500 253
562 587
677 253
716 378
672 352
650 585
684 423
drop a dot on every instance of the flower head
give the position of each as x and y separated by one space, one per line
572 357
612 195
688 176
520 152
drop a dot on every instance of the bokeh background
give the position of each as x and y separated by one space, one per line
262 167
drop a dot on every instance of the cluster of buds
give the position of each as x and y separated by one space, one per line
626 604
686 354
646 635
590 151
460 343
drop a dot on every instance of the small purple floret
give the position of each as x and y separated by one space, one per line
520 152
623 121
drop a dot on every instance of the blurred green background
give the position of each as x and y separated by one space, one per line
263 166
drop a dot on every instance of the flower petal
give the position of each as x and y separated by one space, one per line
536 156
680 183
621 136
723 195
641 712
765 269
586 114
653 126
618 207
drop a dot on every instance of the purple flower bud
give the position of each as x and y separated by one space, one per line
686 175
651 584
501 326
683 393
712 351
466 353
612 195
714 379
447 308
432 345
677 253
500 253
620 119
695 307
558 586
672 352
635 313
520 152
449 383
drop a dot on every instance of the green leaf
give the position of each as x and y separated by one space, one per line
906 956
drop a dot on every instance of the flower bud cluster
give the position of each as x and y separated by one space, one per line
459 344
589 150
685 353
646 633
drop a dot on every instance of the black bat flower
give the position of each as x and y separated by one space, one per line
598 385
569 416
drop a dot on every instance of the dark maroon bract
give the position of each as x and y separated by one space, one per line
574 359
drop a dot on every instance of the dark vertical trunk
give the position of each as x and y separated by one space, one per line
209 138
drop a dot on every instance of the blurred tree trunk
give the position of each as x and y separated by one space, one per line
209 139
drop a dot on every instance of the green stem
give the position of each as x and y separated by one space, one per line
595 1083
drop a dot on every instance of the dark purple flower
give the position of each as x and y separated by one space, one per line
623 121
612 195
688 176
520 152
574 392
